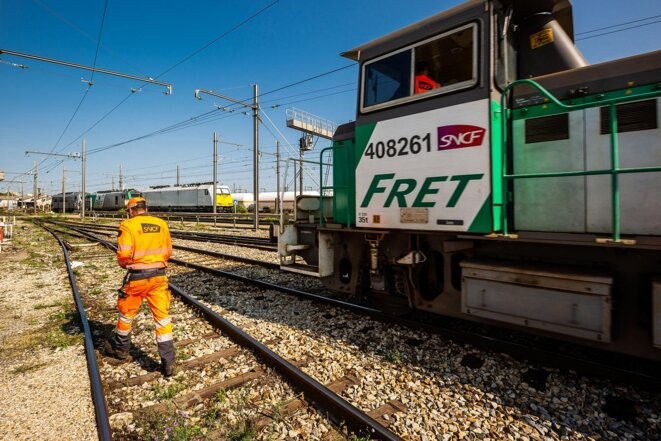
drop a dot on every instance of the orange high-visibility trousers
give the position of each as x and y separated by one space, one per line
155 291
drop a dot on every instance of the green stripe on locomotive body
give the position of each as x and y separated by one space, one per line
363 135
345 156
496 173
430 171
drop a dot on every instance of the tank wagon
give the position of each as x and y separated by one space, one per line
190 197
519 187
245 200
268 201
113 200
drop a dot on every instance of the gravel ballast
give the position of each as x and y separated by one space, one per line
45 392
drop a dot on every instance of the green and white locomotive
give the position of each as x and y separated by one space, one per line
491 174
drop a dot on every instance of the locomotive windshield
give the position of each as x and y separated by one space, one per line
437 65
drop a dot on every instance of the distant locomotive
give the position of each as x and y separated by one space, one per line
71 202
492 175
191 197
113 200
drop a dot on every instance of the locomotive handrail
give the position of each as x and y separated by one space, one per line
614 170
322 187
325 187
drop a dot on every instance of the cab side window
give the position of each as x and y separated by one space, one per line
440 64
387 79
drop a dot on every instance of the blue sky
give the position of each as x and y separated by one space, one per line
50 108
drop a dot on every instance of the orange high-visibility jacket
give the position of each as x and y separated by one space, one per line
144 242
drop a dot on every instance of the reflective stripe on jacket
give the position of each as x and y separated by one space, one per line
144 242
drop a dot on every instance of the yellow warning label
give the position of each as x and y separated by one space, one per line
538 39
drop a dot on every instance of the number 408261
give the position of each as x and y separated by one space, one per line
399 147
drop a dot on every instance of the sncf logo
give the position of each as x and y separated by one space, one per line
150 228
459 136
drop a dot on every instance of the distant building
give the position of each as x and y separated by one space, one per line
9 202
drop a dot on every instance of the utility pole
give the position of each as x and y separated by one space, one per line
177 175
22 196
277 177
82 210
64 180
300 173
255 112
215 170
255 125
121 179
34 194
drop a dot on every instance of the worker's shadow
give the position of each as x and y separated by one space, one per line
101 332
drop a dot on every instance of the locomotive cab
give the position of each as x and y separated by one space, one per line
493 175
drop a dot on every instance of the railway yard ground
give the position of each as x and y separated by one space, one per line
45 385
437 390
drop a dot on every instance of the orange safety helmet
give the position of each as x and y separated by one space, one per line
135 201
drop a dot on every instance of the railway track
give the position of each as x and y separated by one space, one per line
215 359
237 220
540 350
253 308
183 245
259 243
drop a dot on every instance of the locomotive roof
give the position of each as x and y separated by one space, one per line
431 25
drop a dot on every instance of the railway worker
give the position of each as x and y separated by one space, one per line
423 83
144 246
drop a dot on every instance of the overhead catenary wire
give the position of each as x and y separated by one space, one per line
618 30
206 117
75 27
89 84
188 57
618 25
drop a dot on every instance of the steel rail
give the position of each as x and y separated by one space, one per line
256 243
228 256
319 394
98 397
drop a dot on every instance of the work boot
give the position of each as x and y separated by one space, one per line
108 350
166 351
167 369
